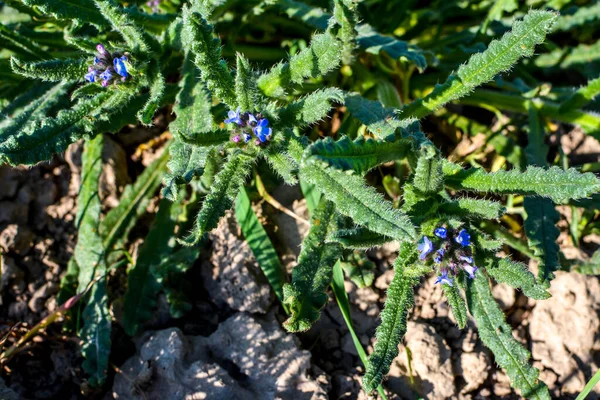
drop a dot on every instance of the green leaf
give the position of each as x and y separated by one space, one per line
157 91
496 335
339 290
322 56
133 35
580 18
388 95
583 95
186 162
400 298
360 202
473 208
381 121
246 90
143 283
542 234
516 275
282 162
555 183
79 10
497 10
119 221
21 45
306 294
500 56
259 243
359 156
359 269
589 267
359 238
457 304
198 37
90 257
375 43
345 17
46 137
223 192
36 109
428 178
52 70
312 108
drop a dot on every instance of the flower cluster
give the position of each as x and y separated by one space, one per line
453 254
154 5
258 125
107 67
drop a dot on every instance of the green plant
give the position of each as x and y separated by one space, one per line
229 119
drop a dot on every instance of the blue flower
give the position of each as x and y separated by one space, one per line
469 269
466 259
262 130
439 256
247 137
425 247
463 238
444 278
106 75
90 77
234 116
252 119
441 232
120 66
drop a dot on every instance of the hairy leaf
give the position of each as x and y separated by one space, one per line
390 332
322 56
582 16
496 335
282 162
359 156
359 238
555 183
516 275
542 234
223 192
500 56
359 269
306 294
583 95
90 257
198 37
186 162
157 91
360 202
380 120
345 16
80 10
52 70
246 90
428 178
589 267
473 208
312 108
457 304
259 243
133 35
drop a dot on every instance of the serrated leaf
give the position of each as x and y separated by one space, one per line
51 70
282 162
133 35
322 56
306 294
381 121
500 56
400 298
581 17
259 243
496 335
90 257
345 16
157 91
186 162
555 183
223 192
542 234
246 90
21 45
457 304
80 10
360 202
143 283
198 37
359 155
583 95
473 208
312 108
516 275
428 178
359 269
359 238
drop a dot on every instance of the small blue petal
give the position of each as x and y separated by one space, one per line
441 232
439 256
463 238
106 75
425 247
247 137
120 66
444 279
90 77
234 116
466 259
469 269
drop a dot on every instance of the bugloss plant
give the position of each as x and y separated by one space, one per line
114 62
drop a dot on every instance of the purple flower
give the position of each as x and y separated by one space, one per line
441 232
101 50
463 238
106 76
90 76
444 278
234 116
104 83
262 130
120 66
236 139
466 259
469 269
439 256
425 247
